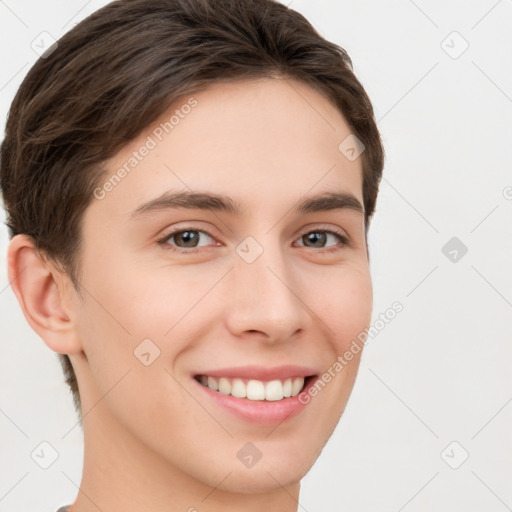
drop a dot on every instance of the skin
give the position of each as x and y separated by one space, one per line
149 442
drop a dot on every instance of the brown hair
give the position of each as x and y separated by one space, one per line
118 70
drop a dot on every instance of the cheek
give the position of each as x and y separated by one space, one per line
346 305
129 304
127 319
137 301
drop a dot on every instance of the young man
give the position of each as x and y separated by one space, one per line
189 186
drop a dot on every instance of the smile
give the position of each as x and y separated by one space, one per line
252 389
261 395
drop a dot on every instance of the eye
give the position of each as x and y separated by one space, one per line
320 237
187 240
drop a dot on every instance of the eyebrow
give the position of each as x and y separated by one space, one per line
208 201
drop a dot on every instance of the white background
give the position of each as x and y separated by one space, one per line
440 371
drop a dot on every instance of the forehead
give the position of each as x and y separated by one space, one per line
253 140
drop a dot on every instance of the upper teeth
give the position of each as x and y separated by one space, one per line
255 389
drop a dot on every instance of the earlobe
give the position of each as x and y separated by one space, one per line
41 292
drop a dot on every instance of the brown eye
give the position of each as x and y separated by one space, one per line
319 238
186 238
316 238
183 239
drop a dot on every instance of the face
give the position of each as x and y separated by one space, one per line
260 287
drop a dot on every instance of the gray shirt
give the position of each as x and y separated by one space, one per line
64 509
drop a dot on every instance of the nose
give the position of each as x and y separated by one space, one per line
265 297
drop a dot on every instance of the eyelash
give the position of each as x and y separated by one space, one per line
344 242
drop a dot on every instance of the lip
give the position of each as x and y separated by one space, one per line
260 412
261 372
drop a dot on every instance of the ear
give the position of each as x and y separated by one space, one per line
46 296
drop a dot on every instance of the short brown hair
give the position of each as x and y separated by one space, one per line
118 70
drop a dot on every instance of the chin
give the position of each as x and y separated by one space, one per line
262 480
272 472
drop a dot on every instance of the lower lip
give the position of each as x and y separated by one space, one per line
262 412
